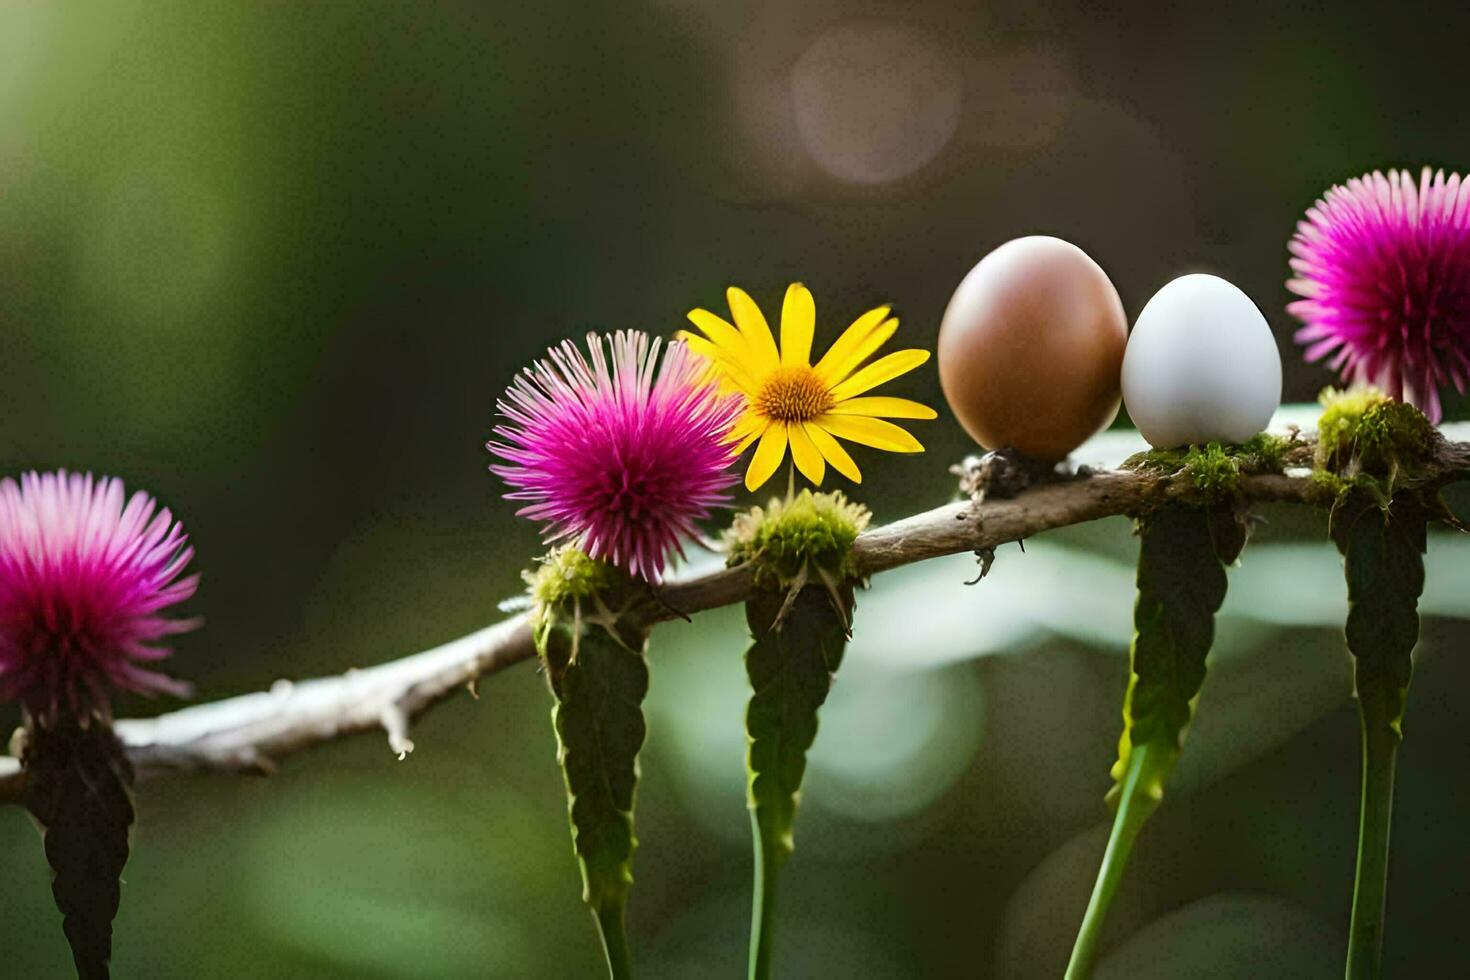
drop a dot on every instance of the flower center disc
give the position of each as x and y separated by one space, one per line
793 394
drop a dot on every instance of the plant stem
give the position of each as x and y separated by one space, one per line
611 927
1137 799
763 900
1370 886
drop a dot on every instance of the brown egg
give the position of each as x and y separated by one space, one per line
1031 348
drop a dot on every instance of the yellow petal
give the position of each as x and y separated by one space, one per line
876 338
699 345
880 406
745 431
833 451
728 372
808 459
850 339
719 331
870 432
798 321
768 456
755 330
883 369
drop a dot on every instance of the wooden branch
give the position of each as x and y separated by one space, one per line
251 733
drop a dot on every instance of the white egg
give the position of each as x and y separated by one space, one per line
1201 365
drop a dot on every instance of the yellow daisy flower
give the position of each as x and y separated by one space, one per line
791 402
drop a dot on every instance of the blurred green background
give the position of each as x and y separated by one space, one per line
275 262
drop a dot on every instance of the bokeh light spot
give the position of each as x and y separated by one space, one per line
875 101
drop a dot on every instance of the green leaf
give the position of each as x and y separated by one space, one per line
790 664
1383 546
1383 561
79 789
797 645
1181 584
599 677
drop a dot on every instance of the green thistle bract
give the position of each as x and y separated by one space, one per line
1366 431
787 539
568 574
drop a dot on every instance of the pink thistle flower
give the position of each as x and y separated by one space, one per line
1384 269
620 456
85 575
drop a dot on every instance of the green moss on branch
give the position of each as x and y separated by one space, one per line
1214 470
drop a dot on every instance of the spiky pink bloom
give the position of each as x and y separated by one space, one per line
1383 265
86 574
620 456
